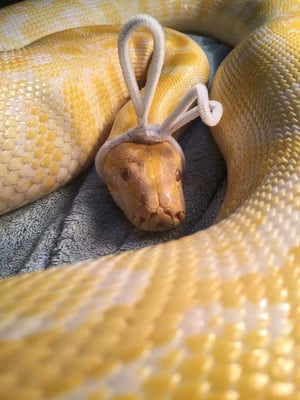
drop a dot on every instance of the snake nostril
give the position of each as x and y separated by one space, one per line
169 213
142 220
180 215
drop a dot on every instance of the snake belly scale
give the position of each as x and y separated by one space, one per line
214 315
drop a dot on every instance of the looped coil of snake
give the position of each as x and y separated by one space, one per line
214 315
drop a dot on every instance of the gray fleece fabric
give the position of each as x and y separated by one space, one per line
81 221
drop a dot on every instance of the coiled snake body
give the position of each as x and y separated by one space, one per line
214 315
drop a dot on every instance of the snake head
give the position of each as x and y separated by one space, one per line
146 183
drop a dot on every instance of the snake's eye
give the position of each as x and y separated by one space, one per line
125 174
178 175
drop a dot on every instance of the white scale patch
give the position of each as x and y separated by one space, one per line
14 26
273 317
120 286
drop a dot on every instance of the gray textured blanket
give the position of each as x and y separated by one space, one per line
81 221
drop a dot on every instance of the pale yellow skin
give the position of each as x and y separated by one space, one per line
214 315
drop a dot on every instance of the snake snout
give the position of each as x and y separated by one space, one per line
160 220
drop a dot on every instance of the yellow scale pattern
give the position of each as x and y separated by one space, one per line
212 316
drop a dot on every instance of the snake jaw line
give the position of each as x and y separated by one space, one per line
159 220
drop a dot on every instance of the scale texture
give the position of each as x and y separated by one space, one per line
214 315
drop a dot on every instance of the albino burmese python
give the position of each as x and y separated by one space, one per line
212 316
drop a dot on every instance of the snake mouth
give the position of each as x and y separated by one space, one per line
159 220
